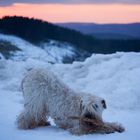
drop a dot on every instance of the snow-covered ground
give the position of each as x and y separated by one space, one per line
115 77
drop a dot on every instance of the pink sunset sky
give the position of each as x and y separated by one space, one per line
81 11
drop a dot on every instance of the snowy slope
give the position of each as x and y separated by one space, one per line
115 77
49 52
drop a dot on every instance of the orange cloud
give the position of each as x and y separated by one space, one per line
99 13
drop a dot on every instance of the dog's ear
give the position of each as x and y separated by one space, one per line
104 104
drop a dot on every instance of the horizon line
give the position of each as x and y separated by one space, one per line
71 22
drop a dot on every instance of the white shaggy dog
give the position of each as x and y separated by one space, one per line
45 95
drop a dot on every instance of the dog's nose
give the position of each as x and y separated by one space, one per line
88 115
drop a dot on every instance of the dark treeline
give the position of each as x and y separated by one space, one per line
37 31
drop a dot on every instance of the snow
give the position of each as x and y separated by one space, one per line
49 52
109 76
58 50
115 77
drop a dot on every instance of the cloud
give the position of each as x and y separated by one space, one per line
9 2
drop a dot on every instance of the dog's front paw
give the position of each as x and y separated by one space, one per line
118 127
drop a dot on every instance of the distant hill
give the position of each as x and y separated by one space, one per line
107 31
37 31
113 36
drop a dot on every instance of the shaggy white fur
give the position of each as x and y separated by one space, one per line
45 95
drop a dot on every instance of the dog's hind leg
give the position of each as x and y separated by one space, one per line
32 116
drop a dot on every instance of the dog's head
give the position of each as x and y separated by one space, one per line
92 107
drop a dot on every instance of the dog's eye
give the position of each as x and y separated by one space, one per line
96 105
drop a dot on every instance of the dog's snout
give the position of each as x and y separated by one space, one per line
104 104
88 115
